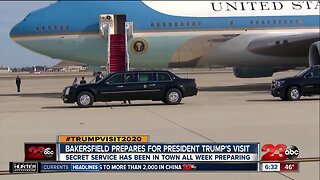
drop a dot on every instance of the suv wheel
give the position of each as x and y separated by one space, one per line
173 96
85 99
294 93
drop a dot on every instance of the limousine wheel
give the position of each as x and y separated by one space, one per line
294 93
173 96
85 99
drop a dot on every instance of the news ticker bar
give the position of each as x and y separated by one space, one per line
49 167
102 139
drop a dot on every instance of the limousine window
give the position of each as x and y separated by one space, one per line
163 77
118 78
131 78
146 77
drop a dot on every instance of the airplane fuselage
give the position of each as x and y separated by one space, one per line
177 33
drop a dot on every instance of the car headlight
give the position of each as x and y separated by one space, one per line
67 91
279 83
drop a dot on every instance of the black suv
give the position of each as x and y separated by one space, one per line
132 85
305 83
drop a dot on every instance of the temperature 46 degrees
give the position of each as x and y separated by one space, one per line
289 167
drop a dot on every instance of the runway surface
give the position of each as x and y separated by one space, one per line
226 109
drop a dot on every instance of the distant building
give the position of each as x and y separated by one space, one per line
27 69
38 68
68 66
4 69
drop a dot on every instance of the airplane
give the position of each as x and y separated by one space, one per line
256 38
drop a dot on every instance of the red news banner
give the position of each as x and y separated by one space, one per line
276 157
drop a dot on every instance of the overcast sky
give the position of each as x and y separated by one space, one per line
12 54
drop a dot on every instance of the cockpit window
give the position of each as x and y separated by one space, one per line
26 17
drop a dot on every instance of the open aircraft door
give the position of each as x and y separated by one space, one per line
116 32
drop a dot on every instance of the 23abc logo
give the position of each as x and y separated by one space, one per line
48 153
40 152
279 152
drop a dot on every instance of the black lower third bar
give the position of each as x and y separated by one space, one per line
227 166
138 167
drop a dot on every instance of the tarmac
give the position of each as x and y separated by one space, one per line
226 109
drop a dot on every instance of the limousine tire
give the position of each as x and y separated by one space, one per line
173 96
85 99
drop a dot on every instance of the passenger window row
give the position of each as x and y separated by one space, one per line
52 28
280 21
176 24
231 23
139 77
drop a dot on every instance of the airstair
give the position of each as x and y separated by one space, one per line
116 32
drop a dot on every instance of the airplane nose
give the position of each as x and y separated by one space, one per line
14 31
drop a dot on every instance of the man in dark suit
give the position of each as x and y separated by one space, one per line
83 81
99 76
18 83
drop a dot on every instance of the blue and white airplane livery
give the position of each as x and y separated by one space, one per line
257 38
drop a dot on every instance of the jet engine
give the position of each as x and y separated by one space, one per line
253 72
314 54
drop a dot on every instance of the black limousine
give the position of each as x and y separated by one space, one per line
132 85
305 83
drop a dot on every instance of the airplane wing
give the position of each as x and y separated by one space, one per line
292 45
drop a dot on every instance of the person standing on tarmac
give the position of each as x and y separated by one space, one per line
125 101
99 76
18 83
83 81
75 82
